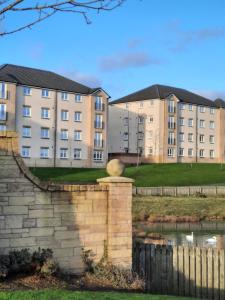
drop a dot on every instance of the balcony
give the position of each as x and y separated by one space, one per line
98 143
99 106
99 125
171 125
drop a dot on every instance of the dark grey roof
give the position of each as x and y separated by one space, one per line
41 78
220 102
161 91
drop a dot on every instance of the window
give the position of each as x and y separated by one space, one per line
98 103
140 119
190 137
25 151
201 138
171 138
63 153
171 106
211 153
202 109
26 131
151 119
190 152
211 124
126 150
26 91
45 113
211 139
98 156
3 93
181 137
77 153
98 121
44 152
77 116
212 110
26 111
45 93
3 114
181 151
64 96
2 127
45 133
151 102
98 142
141 103
126 105
64 134
64 115
171 123
190 107
182 106
78 98
190 122
150 151
201 153
170 152
181 121
202 123
126 121
125 136
77 135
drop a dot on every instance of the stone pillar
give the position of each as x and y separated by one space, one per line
119 235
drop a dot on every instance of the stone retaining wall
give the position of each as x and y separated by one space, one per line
66 218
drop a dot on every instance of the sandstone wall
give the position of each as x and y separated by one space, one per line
65 218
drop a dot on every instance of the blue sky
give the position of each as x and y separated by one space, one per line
179 43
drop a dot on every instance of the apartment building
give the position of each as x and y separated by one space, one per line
59 122
163 124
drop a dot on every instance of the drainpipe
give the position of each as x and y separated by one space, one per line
55 128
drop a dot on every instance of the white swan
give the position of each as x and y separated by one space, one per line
212 240
190 238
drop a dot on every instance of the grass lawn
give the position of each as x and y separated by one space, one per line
144 175
203 208
66 295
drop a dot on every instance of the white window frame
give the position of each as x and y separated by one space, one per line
190 137
201 153
210 153
3 90
64 134
77 151
26 151
181 152
45 113
190 152
202 123
190 122
212 110
45 93
77 135
98 139
3 112
64 115
182 106
181 121
26 108
3 127
78 98
44 152
64 96
190 107
43 131
212 125
26 132
202 109
170 152
77 116
63 154
212 139
201 138
125 136
181 136
98 155
151 119
27 91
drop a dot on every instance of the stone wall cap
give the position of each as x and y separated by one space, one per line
115 179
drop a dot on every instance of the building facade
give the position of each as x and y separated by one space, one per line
60 123
163 124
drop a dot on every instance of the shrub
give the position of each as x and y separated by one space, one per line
22 261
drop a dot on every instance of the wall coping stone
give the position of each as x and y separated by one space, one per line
115 179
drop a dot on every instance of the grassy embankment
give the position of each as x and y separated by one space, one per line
66 295
144 175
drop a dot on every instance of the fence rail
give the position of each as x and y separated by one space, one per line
180 191
184 271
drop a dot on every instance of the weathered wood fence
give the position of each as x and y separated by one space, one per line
184 271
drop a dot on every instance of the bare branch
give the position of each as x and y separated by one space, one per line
42 10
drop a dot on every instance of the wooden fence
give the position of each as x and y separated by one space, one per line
184 271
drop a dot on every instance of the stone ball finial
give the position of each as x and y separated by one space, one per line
115 167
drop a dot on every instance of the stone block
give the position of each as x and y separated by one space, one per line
14 221
15 210
22 242
65 235
27 222
46 222
41 213
24 200
66 252
41 231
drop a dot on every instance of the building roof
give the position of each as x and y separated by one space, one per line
220 102
158 91
41 78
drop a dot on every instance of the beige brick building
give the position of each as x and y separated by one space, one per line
59 122
164 124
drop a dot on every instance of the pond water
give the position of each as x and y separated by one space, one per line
204 234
